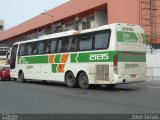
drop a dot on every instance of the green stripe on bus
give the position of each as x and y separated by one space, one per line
103 56
92 57
54 68
73 57
57 58
33 60
129 57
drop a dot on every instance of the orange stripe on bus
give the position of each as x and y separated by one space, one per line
60 68
51 59
64 58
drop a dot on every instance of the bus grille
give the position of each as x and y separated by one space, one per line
102 72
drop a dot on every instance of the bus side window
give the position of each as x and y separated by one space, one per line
30 49
72 43
21 50
60 47
40 47
85 42
65 45
34 48
46 47
26 49
53 46
101 40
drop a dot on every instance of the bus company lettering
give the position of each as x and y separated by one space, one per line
131 66
104 56
22 61
128 39
127 29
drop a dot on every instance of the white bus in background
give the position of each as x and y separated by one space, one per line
3 55
107 55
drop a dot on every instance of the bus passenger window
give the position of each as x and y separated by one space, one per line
85 42
101 40
72 44
47 47
26 49
30 49
53 46
35 48
21 50
60 46
40 48
65 45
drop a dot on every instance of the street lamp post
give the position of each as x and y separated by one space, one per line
52 17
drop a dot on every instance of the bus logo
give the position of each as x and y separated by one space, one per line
128 38
94 57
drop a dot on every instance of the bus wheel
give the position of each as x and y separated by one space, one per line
70 80
21 77
83 80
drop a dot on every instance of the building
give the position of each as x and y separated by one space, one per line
1 25
84 14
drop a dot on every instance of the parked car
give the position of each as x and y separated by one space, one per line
5 72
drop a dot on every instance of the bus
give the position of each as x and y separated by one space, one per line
108 55
3 53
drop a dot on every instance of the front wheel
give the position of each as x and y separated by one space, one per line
21 77
83 80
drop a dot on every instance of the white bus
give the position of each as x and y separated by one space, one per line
3 53
109 55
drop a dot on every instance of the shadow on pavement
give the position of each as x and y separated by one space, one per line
117 88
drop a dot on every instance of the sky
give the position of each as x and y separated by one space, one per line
14 12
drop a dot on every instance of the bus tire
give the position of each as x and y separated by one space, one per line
21 77
83 80
70 80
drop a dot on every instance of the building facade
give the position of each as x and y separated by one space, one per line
82 14
90 14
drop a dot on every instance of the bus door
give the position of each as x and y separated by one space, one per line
13 57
